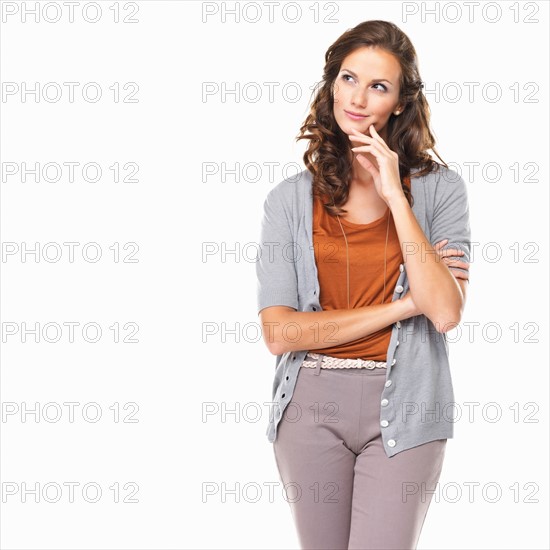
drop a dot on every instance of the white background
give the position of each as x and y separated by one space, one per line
172 292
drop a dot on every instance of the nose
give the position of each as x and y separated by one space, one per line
358 99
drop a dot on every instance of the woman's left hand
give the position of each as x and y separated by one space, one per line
452 264
386 175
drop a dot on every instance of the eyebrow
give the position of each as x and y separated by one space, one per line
373 80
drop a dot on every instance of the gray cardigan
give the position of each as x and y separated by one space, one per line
417 401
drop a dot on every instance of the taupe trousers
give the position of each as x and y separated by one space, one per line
343 490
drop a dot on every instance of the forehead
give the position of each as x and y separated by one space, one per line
369 62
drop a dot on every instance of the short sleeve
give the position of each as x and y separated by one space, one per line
277 281
451 216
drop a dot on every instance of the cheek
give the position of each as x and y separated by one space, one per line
337 97
340 95
381 106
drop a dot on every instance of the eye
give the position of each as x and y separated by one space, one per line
384 88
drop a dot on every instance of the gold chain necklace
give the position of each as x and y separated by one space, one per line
347 254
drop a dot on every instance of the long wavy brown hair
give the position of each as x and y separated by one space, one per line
329 157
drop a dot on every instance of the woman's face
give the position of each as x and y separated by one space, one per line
367 84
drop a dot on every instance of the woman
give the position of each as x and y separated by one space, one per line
363 269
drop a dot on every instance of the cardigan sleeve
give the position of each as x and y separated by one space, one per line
277 281
451 216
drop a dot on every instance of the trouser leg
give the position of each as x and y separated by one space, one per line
315 464
391 496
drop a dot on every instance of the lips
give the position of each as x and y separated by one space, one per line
355 114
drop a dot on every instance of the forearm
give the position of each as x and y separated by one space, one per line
311 330
433 287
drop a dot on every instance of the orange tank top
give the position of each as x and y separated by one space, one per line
366 244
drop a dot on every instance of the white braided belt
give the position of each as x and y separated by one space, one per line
329 362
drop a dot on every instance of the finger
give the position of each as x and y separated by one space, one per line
376 136
366 137
462 265
356 141
368 140
366 149
358 134
457 268
358 138
361 148
453 260
374 133
452 252
438 245
373 148
459 274
361 138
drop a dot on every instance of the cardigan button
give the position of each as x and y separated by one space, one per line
401 268
388 383
393 362
384 423
391 442
399 289
384 402
398 324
